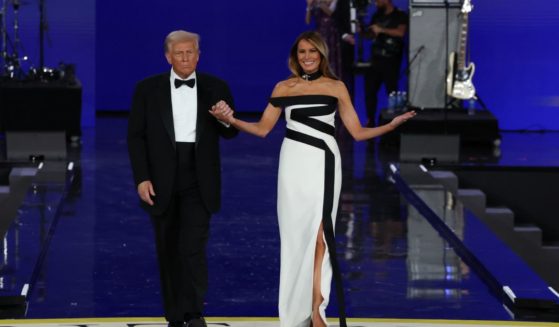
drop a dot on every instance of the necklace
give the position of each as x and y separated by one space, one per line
312 76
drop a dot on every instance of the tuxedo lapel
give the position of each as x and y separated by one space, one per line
204 98
166 107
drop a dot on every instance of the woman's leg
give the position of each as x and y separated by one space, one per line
316 320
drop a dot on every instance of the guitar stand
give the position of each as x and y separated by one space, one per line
453 103
480 101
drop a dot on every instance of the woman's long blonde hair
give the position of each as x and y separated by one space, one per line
317 41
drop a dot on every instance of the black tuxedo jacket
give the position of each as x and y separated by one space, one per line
151 139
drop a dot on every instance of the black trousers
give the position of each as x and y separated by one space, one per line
181 235
382 71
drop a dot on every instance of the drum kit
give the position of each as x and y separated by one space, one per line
12 58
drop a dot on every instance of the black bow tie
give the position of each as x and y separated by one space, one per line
190 83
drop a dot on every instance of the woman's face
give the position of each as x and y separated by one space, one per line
308 56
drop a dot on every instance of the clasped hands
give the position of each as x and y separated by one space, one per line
223 112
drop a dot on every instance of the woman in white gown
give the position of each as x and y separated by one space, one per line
309 177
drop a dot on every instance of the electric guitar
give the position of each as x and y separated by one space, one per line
459 80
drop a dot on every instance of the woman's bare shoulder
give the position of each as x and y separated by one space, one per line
336 83
282 88
335 87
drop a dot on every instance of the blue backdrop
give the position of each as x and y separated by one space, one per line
243 42
116 43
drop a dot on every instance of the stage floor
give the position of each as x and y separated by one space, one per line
101 260
263 322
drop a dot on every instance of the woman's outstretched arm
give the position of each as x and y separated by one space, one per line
352 123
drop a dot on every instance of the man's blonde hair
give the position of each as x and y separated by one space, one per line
181 36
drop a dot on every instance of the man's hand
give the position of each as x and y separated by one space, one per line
223 112
145 191
376 29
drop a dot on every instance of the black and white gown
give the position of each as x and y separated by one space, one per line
309 184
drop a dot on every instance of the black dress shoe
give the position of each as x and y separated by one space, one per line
196 322
176 324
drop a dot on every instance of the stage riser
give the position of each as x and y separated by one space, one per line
417 147
24 146
526 191
41 107
475 242
482 128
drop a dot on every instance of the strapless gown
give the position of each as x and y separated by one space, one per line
309 184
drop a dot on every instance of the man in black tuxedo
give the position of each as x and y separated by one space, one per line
173 143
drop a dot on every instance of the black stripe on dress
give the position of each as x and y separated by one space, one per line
303 115
314 123
327 205
319 110
302 99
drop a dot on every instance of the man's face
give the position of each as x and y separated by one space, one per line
381 4
183 56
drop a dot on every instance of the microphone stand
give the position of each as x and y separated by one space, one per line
42 27
445 114
3 32
407 71
17 71
477 98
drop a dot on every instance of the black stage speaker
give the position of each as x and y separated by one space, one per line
429 147
40 145
428 50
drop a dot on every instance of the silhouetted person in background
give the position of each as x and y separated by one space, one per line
388 27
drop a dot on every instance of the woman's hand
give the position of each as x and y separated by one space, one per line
399 120
223 112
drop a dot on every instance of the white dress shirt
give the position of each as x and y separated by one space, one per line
184 101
